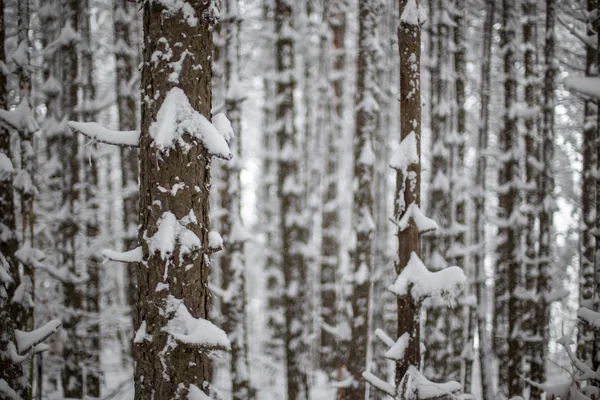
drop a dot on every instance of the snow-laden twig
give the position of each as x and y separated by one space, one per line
27 340
103 135
130 256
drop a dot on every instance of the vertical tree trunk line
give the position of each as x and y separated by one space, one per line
173 285
585 338
480 205
232 262
408 187
292 224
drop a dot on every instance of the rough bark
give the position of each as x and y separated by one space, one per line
363 225
408 186
165 367
292 224
232 262
479 206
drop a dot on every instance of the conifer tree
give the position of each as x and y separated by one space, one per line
290 191
363 225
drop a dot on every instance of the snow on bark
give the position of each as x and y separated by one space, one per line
367 118
232 261
292 229
177 118
98 133
177 144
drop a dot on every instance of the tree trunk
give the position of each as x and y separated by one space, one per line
330 246
126 67
68 151
509 313
12 373
408 184
290 192
367 120
544 282
173 275
232 262
479 206
588 205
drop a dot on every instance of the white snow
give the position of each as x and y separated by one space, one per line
170 232
410 14
447 282
589 316
6 167
406 154
367 156
176 118
422 223
215 241
99 133
197 331
20 118
426 389
130 256
172 7
27 340
379 383
396 352
195 393
589 86
142 334
223 125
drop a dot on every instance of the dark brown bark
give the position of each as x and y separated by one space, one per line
408 190
292 224
167 368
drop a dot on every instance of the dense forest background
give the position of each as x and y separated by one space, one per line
266 199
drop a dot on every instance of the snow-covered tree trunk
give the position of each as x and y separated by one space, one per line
90 214
232 262
24 184
13 378
292 224
126 72
67 151
479 198
408 180
531 161
331 358
363 225
468 316
544 281
443 334
588 202
509 312
594 23
173 336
